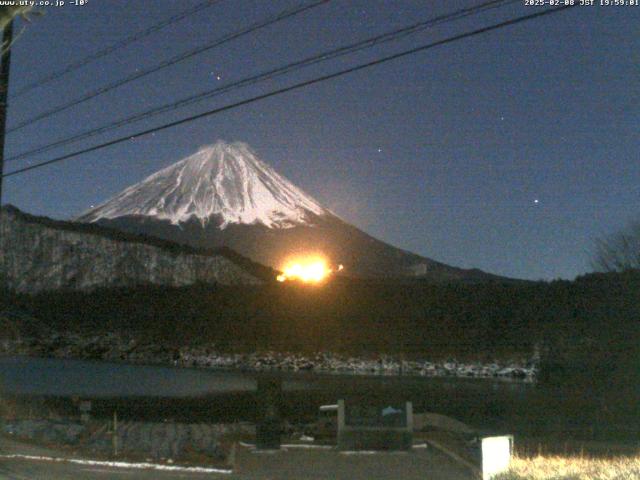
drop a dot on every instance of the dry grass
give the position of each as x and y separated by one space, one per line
573 468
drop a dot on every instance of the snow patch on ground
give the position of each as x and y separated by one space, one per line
128 465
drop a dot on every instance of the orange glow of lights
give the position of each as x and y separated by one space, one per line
307 270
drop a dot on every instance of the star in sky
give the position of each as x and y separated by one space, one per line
449 97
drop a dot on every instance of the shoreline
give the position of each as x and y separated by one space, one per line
114 348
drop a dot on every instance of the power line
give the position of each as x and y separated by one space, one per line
287 13
115 47
270 74
296 86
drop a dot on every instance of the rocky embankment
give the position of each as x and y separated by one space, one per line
199 442
39 254
111 347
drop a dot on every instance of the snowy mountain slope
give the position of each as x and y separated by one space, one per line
224 181
224 196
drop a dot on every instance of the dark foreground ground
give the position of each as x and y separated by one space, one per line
288 463
330 464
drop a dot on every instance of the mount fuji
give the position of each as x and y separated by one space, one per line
224 195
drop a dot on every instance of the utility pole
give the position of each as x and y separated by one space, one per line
7 38
115 434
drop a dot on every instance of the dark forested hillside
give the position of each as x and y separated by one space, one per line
599 313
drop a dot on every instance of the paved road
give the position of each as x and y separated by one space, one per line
286 464
332 465
32 470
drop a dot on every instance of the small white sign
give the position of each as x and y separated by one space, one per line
496 455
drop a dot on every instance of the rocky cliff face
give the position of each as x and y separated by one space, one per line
38 254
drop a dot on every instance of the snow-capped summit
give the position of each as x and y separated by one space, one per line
224 196
224 180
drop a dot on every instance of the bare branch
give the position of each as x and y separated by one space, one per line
618 252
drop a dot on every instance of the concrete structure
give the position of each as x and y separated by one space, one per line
269 427
375 425
422 421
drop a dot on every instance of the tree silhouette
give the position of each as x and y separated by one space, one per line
619 252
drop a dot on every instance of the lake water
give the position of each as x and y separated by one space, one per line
69 377
143 392
65 377
198 393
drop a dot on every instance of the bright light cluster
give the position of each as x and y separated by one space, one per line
307 269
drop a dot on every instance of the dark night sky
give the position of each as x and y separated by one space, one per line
443 153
